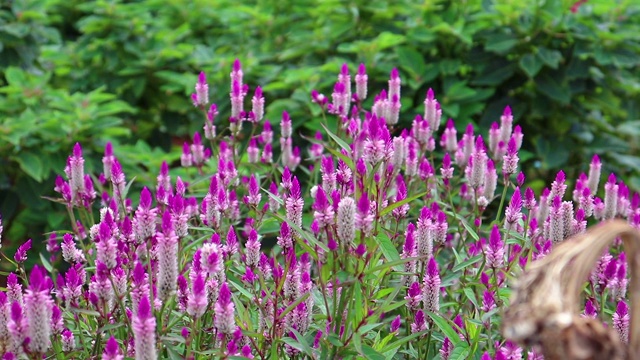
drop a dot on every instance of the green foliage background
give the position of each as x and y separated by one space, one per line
93 71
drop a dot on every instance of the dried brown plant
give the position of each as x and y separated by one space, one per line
544 307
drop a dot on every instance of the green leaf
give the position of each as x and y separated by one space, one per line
556 91
404 340
388 249
46 263
551 58
411 60
500 43
369 353
530 64
31 164
444 327
460 351
386 40
466 263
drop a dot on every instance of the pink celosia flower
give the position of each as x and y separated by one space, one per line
37 309
112 350
494 251
419 322
361 83
197 300
21 254
620 321
431 287
595 169
144 222
167 253
224 311
144 331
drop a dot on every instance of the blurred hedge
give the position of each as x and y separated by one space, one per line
73 70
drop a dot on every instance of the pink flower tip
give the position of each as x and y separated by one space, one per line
595 160
144 308
362 70
236 65
202 78
77 150
345 69
111 348
622 308
560 177
395 74
224 297
430 97
37 279
432 267
145 198
507 111
612 178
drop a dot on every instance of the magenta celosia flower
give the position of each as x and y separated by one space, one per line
425 233
494 251
363 217
17 327
209 127
446 170
620 321
70 253
201 96
488 301
590 310
140 285
167 253
446 349
395 324
431 287
38 312
414 296
197 300
68 341
117 179
294 203
490 181
106 246
144 331
144 222
21 254
186 159
555 227
510 159
513 212
224 311
112 350
252 255
419 322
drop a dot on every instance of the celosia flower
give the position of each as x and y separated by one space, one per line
620 321
432 112
590 310
488 301
446 349
414 296
419 322
431 287
494 251
144 331
21 254
253 247
197 300
112 350
610 198
257 103
17 327
595 169
363 217
144 222
224 311
513 213
37 308
69 341
361 83
167 252
346 229
395 324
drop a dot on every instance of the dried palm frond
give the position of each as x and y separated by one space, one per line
544 305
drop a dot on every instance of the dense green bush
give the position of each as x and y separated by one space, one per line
571 78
